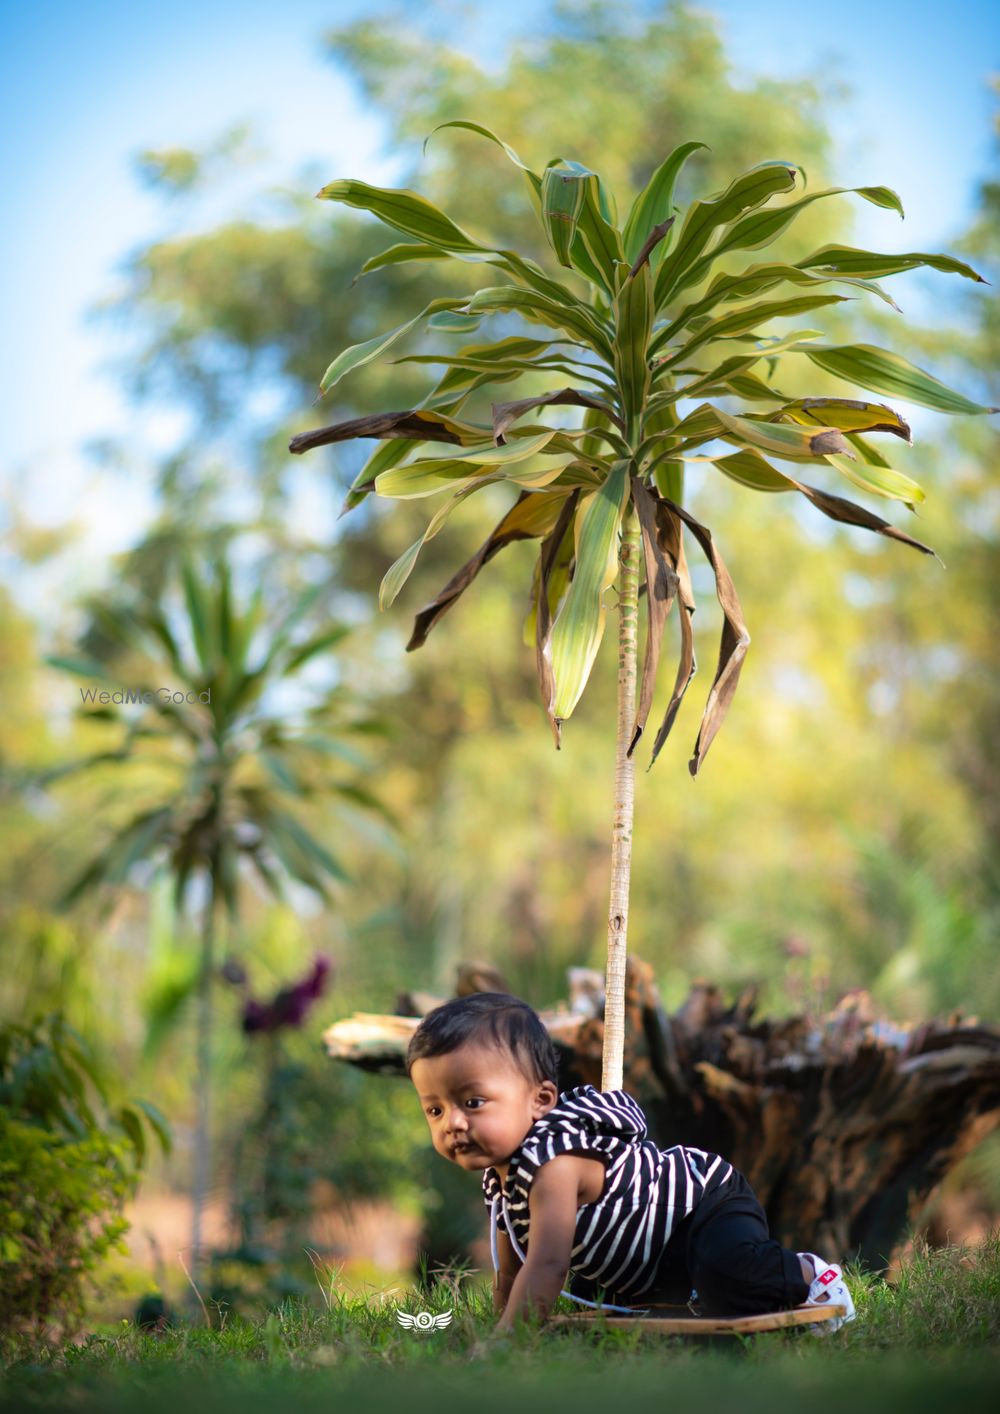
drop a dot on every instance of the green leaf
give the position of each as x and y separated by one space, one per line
427 478
781 439
751 189
574 320
532 177
579 624
562 191
750 469
763 227
307 847
867 264
523 270
883 372
381 460
482 371
403 253
319 643
655 203
136 1135
745 320
804 445
157 1122
198 611
406 210
399 572
597 249
88 668
489 454
879 480
429 475
702 382
755 280
452 322
634 319
359 354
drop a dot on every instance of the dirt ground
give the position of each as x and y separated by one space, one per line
373 1235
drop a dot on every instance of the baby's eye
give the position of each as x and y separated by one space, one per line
475 1101
433 1111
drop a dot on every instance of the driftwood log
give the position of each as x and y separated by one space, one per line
844 1124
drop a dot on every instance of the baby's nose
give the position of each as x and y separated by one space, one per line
458 1120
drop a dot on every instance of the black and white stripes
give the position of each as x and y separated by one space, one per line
647 1191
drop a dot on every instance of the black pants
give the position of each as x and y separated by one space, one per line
732 1262
725 1252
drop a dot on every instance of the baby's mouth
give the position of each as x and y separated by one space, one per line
462 1148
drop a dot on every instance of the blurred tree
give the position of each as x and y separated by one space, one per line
229 323
218 768
235 319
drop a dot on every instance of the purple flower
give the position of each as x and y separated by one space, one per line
291 1005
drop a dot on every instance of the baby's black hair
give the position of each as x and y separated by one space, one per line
489 1019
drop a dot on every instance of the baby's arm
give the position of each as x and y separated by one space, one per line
503 1281
552 1205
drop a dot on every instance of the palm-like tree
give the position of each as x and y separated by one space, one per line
218 772
661 341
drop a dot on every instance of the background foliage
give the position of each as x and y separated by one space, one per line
846 830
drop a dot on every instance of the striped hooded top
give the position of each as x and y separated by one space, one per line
647 1191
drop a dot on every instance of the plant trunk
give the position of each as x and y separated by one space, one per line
203 1081
621 838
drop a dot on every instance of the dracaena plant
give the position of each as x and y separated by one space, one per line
664 347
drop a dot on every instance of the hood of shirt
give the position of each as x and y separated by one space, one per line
611 1112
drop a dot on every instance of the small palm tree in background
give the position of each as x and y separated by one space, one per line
663 348
215 772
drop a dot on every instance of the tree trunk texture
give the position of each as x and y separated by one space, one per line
844 1124
624 802
203 1117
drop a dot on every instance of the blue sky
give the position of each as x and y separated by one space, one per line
86 86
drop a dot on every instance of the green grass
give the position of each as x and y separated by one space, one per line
930 1340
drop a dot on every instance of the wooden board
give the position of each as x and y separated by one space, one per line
707 1325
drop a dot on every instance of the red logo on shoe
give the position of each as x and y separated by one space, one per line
828 1276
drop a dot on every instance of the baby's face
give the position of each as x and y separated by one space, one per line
478 1105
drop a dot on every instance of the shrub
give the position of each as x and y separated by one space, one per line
68 1162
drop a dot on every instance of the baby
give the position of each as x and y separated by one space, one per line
581 1187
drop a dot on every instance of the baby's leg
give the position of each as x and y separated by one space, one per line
739 1270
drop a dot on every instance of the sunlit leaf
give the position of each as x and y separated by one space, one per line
634 318
359 354
883 372
867 264
574 319
579 625
534 181
406 210
751 189
655 203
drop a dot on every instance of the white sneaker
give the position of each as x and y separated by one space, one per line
828 1286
